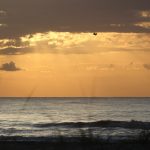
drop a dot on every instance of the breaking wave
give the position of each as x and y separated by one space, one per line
106 124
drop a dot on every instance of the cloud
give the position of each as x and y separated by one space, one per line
24 17
146 66
144 24
100 67
15 51
11 66
75 43
145 14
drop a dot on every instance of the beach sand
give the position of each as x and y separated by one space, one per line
80 145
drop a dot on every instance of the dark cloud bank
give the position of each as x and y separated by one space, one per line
30 16
11 66
15 51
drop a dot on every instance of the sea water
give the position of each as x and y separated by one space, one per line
71 117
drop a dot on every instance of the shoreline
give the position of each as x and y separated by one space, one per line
82 144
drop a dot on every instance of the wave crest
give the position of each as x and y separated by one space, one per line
106 124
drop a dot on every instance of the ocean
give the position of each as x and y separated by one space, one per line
49 118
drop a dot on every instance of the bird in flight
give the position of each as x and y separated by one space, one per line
95 33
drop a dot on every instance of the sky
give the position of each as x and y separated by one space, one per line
47 48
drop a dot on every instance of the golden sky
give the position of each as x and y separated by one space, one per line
79 64
50 50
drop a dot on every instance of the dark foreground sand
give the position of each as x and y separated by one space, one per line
141 142
82 145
